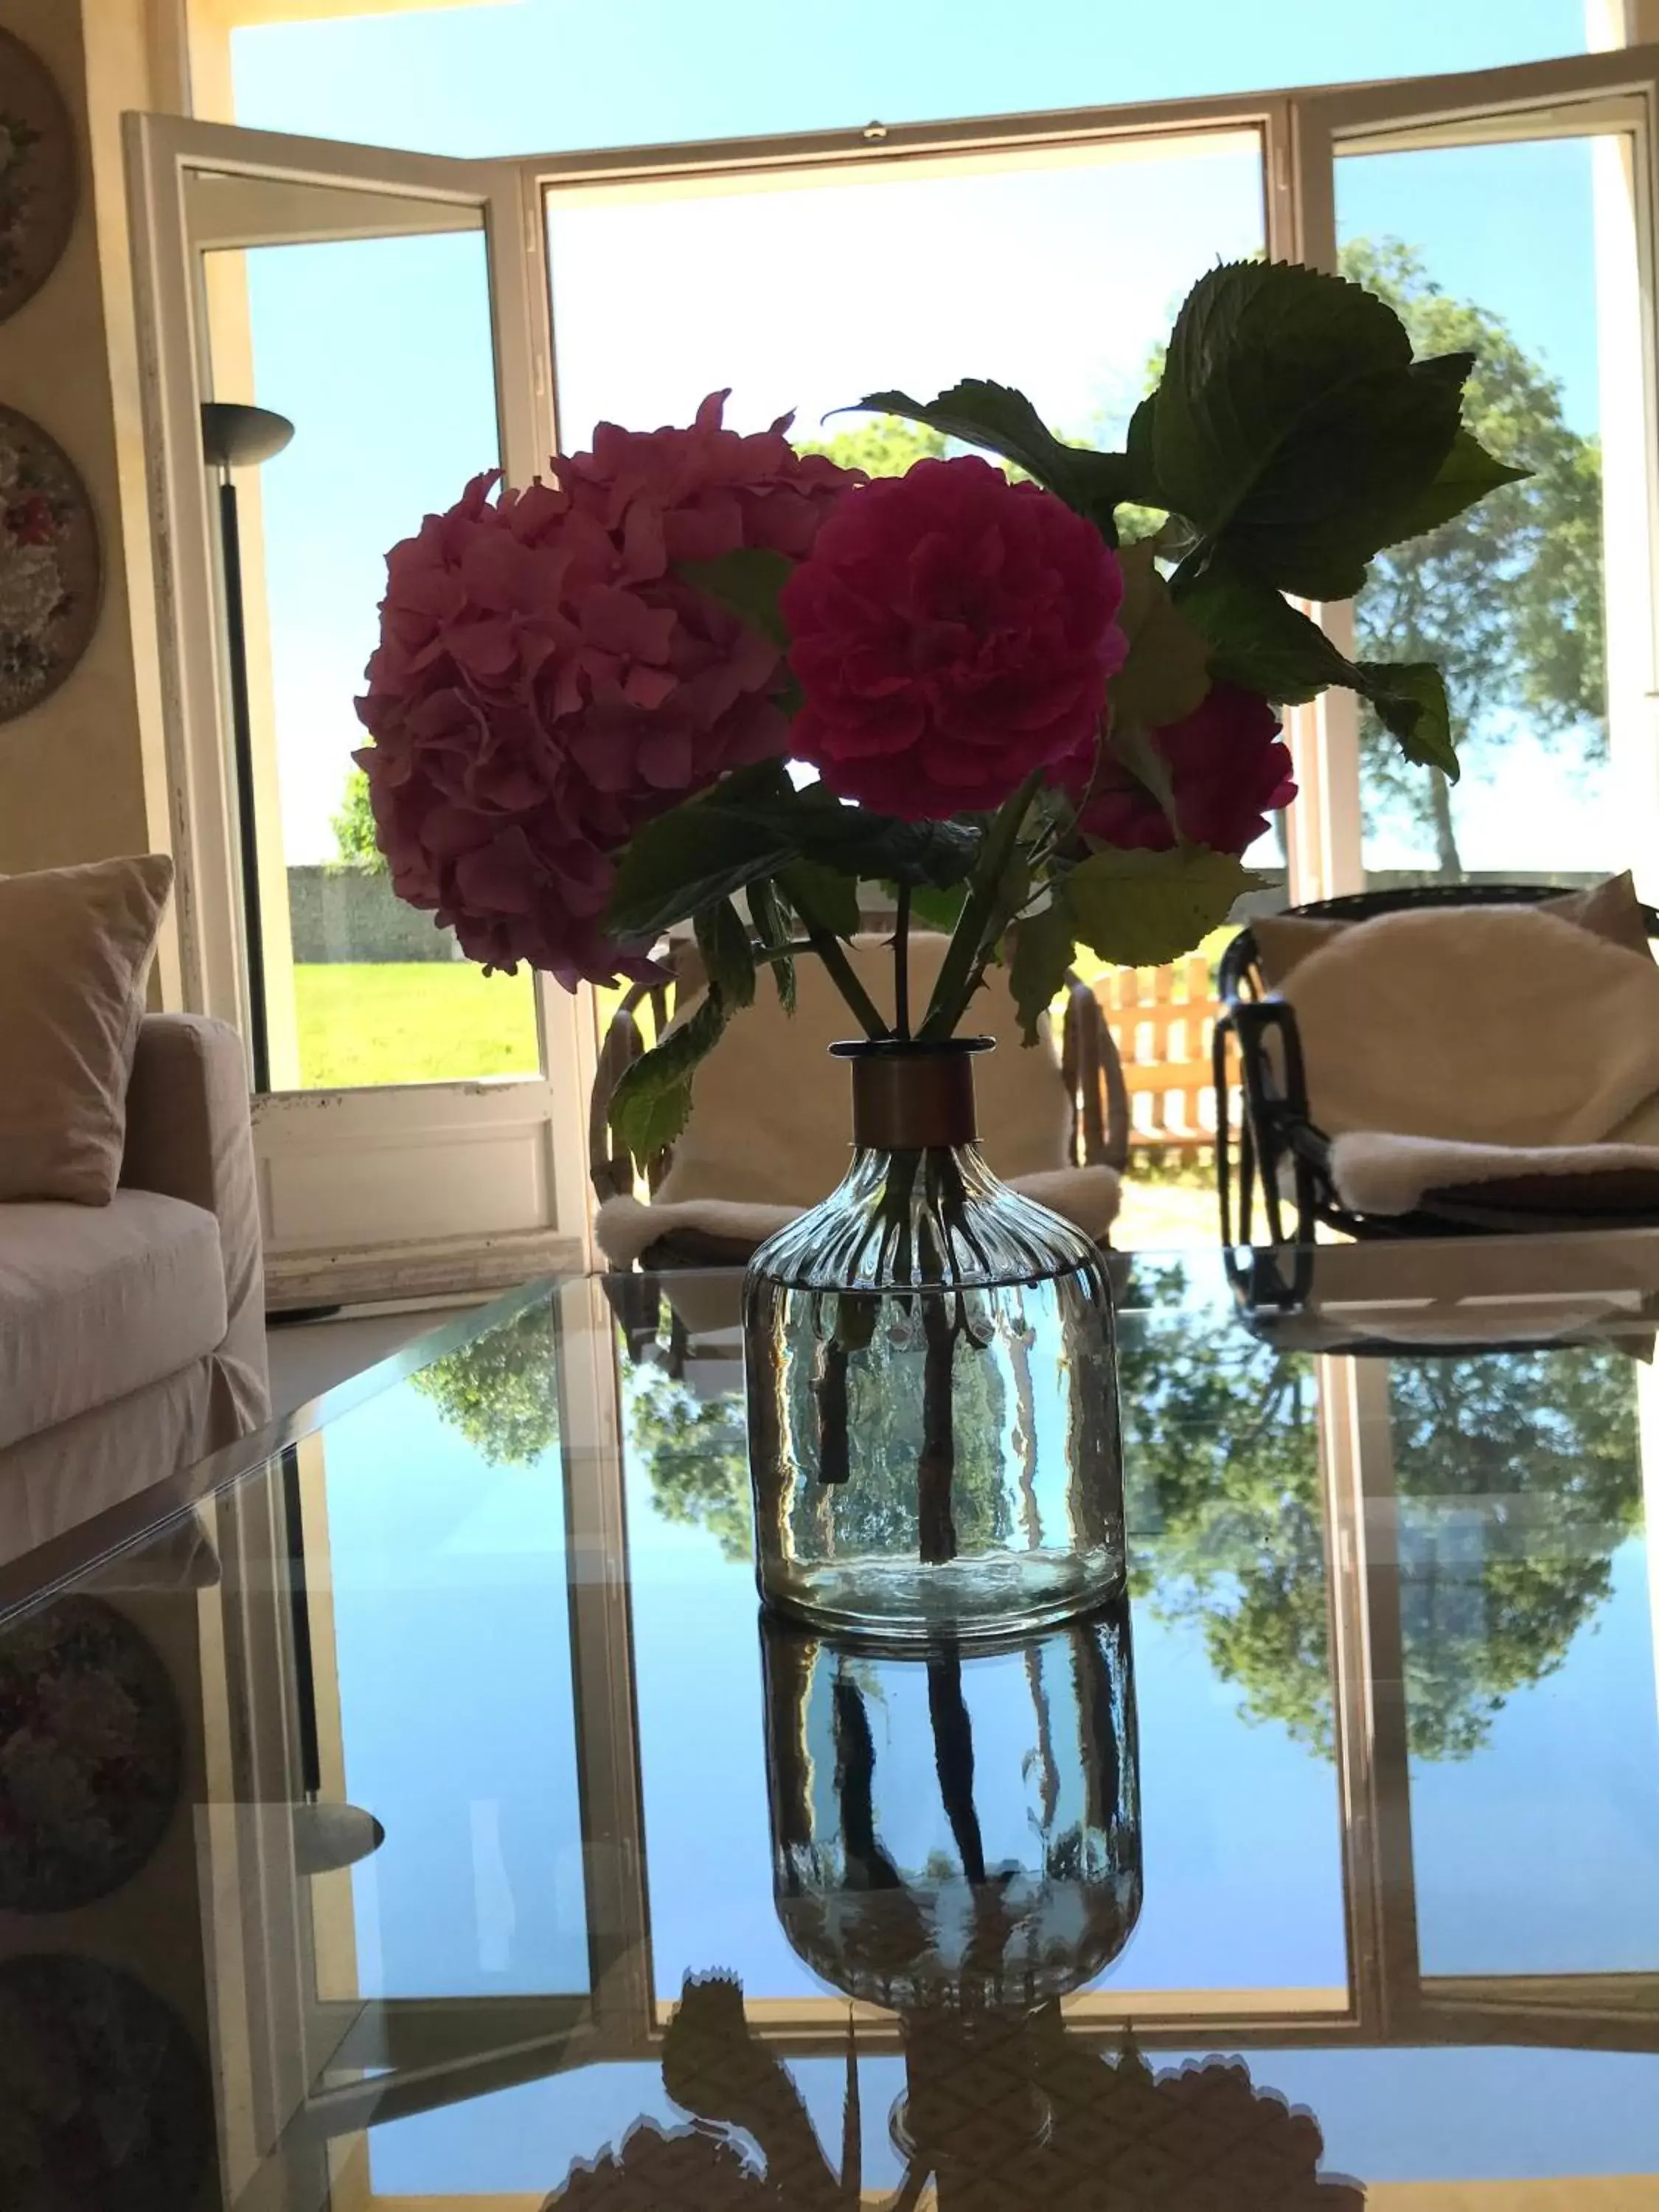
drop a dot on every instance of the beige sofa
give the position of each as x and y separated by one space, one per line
133 1335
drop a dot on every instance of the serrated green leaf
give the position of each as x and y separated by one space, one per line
1167 672
1292 424
1004 420
1259 641
746 581
1467 474
687 859
1042 947
772 931
1411 703
652 1101
1143 909
728 957
822 896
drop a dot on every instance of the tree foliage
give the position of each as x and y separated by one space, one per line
881 446
353 825
501 1391
1221 1445
1507 597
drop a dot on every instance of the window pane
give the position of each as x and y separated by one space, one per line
1528 1647
1057 272
542 74
1507 599
378 350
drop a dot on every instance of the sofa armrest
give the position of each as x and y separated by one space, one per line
189 1136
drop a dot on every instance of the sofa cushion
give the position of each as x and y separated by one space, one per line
97 1301
75 949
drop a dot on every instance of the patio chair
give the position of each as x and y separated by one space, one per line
1283 1158
768 1132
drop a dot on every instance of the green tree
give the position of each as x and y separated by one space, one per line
1221 1445
881 446
1507 597
354 826
501 1391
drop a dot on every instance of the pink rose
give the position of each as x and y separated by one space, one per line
1227 773
951 632
545 681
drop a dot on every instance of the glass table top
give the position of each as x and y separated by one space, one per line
420 1815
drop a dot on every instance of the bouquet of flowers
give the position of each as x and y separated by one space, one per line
1038 699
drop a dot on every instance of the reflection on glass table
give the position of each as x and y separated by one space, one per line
1354 1806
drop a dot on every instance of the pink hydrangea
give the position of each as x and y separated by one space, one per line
545 681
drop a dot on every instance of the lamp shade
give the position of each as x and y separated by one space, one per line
238 437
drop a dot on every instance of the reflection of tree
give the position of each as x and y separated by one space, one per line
1222 1450
696 1456
501 1391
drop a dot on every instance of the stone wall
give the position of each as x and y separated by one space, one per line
350 914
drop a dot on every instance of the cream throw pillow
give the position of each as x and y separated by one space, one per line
1610 909
75 950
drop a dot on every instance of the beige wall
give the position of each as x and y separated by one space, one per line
73 772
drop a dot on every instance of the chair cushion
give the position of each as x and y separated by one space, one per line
771 1113
1483 1025
75 948
1610 909
97 1302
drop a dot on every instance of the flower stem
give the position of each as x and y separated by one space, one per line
902 965
966 957
839 969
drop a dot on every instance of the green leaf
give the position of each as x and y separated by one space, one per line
687 860
1143 909
1293 426
1167 672
863 844
1410 699
822 896
747 582
1258 641
1004 420
728 957
1042 947
937 910
772 929
652 1101
1467 474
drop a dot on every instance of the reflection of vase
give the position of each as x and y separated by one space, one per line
952 1831
933 1393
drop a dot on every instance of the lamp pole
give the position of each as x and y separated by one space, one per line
237 437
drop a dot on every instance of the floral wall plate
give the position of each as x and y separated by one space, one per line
49 564
37 174
91 1749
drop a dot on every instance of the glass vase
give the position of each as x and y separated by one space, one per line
931 1380
955 1832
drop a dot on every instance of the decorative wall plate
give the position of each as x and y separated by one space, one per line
37 174
50 571
103 2099
91 1751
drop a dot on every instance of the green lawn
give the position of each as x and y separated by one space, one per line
411 1021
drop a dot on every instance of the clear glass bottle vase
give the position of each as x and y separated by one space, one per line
932 1378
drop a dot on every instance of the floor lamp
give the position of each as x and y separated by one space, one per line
235 437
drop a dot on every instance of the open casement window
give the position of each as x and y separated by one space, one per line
420 318
423 1124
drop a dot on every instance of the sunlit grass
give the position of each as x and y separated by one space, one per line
411 1021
